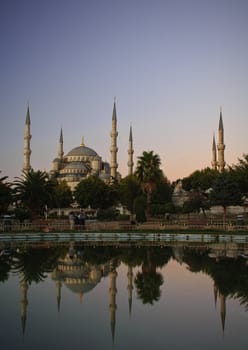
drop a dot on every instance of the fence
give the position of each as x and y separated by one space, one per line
56 225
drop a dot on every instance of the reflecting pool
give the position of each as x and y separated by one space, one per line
76 296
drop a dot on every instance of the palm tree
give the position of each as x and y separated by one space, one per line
148 172
5 194
34 190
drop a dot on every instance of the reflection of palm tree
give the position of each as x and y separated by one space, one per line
148 281
148 286
5 266
35 263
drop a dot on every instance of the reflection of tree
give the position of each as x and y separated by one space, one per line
5 266
35 263
131 257
99 255
148 286
148 281
230 275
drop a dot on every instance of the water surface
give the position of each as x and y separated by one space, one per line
170 297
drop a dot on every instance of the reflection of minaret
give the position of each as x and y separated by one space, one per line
27 138
215 294
112 294
24 302
222 310
130 287
130 153
58 287
222 299
114 148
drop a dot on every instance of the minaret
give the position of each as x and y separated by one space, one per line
130 153
60 150
221 147
114 148
214 155
27 138
112 295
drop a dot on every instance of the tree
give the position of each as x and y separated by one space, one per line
197 201
62 195
129 189
140 208
225 192
95 193
5 195
200 179
161 197
35 191
240 174
148 173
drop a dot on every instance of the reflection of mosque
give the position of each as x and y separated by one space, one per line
78 276
81 277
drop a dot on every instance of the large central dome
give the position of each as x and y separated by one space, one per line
82 151
79 163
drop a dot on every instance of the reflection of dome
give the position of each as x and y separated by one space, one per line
81 151
80 288
77 275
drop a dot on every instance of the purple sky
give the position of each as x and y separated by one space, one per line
170 64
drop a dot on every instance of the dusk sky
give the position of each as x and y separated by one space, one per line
170 63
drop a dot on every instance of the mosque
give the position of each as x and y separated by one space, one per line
82 161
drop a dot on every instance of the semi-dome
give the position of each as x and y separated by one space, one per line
82 151
76 166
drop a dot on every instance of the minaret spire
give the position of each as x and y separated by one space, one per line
214 154
61 142
114 148
221 146
27 138
130 153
